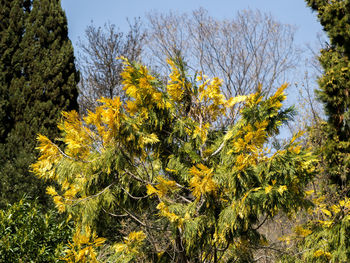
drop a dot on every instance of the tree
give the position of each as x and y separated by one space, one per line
326 237
100 71
250 49
334 87
39 82
176 186
9 43
13 15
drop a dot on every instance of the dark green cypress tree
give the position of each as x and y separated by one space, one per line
4 63
12 19
43 83
328 226
334 88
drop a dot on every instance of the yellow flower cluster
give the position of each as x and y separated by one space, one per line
173 218
131 243
211 101
49 156
202 180
84 247
177 84
248 144
138 84
106 119
77 136
163 187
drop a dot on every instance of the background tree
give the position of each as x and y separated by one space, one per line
40 82
179 188
11 35
334 88
13 17
251 48
99 68
326 236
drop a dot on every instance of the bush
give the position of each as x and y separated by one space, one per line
30 234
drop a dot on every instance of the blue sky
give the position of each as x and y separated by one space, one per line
81 12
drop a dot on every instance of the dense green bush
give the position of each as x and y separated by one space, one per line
29 234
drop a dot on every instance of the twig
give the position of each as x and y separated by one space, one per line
134 197
124 215
185 199
218 149
67 156
138 220
263 222
137 178
91 196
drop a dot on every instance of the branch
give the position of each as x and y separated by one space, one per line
138 220
271 248
185 199
124 215
134 217
91 196
263 222
218 149
67 156
133 197
137 178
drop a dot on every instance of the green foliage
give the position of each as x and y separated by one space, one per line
37 81
177 186
326 235
29 234
334 86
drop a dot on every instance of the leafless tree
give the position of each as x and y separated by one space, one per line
99 68
249 49
310 109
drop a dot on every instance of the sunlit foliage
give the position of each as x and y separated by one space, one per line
178 186
327 230
28 233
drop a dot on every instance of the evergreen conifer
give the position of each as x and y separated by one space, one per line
325 237
334 87
38 81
